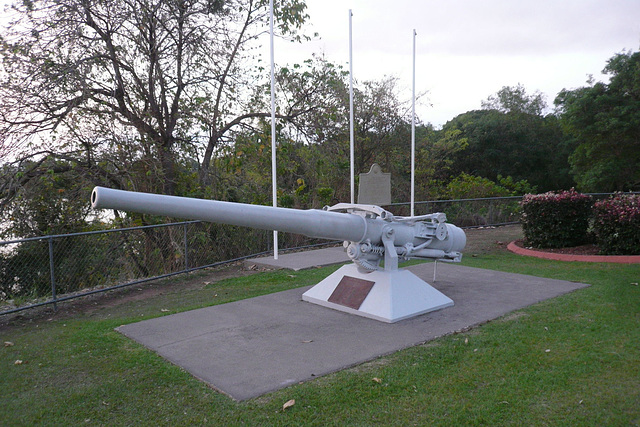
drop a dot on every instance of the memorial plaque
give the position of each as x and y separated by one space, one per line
351 292
375 187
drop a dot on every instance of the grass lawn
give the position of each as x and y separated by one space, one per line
572 360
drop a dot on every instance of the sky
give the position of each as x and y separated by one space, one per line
467 50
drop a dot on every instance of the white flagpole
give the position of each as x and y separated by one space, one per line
274 185
351 137
413 131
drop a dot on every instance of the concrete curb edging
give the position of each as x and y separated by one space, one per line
618 259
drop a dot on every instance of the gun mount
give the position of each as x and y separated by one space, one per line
370 234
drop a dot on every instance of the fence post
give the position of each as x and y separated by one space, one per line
53 278
491 213
186 248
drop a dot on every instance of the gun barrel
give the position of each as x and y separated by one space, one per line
311 223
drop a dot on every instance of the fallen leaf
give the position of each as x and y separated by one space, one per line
288 404
378 380
8 344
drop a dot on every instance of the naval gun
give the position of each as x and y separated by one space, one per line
370 234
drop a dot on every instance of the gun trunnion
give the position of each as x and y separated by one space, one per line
370 234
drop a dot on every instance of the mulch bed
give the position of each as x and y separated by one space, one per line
589 249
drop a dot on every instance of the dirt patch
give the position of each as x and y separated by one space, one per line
513 316
484 240
110 300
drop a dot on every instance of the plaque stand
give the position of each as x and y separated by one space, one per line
384 295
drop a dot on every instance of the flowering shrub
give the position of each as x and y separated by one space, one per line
556 220
617 224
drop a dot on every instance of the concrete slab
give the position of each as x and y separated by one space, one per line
251 347
302 260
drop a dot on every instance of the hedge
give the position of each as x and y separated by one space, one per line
616 224
556 219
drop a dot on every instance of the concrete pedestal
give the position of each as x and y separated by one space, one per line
388 296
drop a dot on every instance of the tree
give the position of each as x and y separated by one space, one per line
381 126
381 131
170 74
133 94
515 100
313 152
435 158
379 122
513 143
604 122
52 208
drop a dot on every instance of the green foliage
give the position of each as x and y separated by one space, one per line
556 220
515 100
139 98
517 188
603 121
47 197
325 196
480 212
313 168
517 144
244 171
617 224
466 186
25 271
435 161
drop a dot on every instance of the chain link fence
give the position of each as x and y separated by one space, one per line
488 211
51 269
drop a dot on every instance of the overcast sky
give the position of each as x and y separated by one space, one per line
467 50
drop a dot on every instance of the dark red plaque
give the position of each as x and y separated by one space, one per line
351 292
